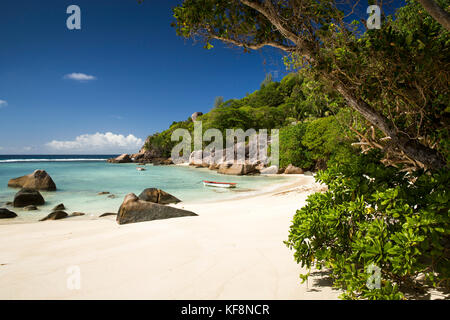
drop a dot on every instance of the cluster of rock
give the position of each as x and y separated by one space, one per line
150 205
217 161
143 157
29 198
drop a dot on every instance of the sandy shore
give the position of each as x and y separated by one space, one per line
233 250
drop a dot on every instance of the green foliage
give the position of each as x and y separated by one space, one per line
161 143
292 150
324 140
274 105
328 139
377 215
401 71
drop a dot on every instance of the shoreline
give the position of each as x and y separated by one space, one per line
98 205
232 251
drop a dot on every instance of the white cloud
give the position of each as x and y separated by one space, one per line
79 76
3 103
98 143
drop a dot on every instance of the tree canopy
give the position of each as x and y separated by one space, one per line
397 77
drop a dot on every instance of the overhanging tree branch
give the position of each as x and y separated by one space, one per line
306 31
439 14
269 12
412 148
258 46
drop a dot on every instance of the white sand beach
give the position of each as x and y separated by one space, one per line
233 250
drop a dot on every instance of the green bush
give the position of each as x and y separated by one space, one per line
292 150
376 215
323 140
327 140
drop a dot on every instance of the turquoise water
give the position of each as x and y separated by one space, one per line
78 183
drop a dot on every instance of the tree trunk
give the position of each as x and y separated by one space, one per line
430 158
439 14
412 148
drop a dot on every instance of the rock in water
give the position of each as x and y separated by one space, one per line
134 210
30 208
38 180
293 170
26 197
55 215
123 158
59 207
157 196
6 214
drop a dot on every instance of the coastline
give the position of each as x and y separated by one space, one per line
227 252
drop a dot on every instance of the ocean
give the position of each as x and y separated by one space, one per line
79 179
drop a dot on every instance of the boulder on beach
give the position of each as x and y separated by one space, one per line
196 158
26 197
293 170
38 180
59 207
6 214
134 210
55 215
214 166
157 196
237 169
102 193
270 170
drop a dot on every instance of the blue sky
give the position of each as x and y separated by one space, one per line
144 76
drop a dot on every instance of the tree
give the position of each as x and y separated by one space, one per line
316 34
437 12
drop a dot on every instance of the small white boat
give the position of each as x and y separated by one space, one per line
140 169
219 184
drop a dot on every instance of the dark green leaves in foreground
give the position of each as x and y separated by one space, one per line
376 215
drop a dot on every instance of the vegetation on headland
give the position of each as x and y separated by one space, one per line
384 90
297 105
